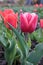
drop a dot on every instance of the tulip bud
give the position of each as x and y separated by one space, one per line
41 23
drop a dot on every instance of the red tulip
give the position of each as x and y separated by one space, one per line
12 19
41 23
1 12
7 11
41 5
28 22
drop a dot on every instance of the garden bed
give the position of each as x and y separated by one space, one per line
17 46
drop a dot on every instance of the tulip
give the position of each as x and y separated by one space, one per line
41 5
36 5
7 11
28 22
1 12
1 15
35 10
11 19
41 23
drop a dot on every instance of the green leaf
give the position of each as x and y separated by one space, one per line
29 43
24 62
28 63
10 52
9 33
22 43
37 35
36 55
4 41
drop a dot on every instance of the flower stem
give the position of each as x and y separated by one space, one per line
26 36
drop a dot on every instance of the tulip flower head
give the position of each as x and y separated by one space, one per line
36 5
41 5
1 12
41 23
28 22
35 10
10 17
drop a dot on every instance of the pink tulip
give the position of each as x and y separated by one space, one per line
36 5
41 5
28 22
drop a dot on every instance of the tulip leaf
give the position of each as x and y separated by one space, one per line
19 53
4 41
37 35
24 62
9 33
10 52
28 63
22 44
8 43
36 55
29 43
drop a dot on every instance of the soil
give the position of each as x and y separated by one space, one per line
2 59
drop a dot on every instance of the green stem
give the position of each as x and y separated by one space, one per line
26 36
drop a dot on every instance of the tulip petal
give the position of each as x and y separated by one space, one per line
41 23
11 18
7 11
33 23
1 12
28 16
23 22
